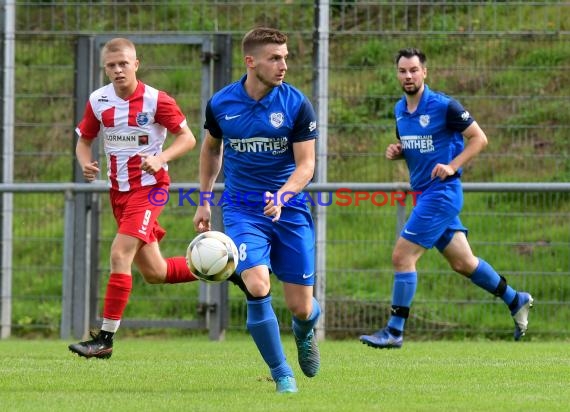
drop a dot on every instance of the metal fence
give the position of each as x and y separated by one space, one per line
506 61
520 228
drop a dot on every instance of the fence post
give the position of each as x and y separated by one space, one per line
7 58
217 314
67 281
321 32
81 275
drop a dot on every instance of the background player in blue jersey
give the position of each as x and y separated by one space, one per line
431 128
265 131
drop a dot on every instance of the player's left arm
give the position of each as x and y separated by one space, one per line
476 142
170 116
304 154
184 141
303 138
459 119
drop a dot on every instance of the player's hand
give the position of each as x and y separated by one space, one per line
394 151
91 170
150 163
442 171
272 206
202 218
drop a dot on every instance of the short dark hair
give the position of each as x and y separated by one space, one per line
260 36
411 52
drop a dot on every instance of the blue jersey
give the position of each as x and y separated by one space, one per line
258 137
430 135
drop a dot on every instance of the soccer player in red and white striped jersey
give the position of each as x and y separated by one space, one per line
134 120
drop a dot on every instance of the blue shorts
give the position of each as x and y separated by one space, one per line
435 218
287 246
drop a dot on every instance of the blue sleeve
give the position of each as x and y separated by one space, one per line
211 124
458 119
305 126
397 113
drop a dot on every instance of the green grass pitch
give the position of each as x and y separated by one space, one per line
195 374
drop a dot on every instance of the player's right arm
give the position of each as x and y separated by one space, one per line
394 151
87 130
89 167
210 165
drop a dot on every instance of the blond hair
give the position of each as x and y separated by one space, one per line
119 44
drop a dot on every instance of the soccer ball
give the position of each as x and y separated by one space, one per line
212 256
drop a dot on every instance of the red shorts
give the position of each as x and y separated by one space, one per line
136 216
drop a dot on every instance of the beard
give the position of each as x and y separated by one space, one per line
267 82
411 91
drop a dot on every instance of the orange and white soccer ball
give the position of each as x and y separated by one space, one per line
212 256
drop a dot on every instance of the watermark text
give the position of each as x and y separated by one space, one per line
341 197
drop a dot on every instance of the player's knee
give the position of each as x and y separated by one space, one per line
152 273
461 267
303 307
464 267
153 278
258 290
399 259
258 283
301 312
118 259
252 292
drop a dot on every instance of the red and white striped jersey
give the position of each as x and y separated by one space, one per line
136 125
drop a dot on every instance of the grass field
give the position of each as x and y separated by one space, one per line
194 374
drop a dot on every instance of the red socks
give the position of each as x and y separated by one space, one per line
117 295
177 270
120 286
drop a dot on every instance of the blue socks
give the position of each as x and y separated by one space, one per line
301 328
487 278
264 329
405 284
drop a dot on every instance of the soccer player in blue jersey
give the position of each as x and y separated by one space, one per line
431 128
264 130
